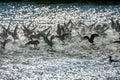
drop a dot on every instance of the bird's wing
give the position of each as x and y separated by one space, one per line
116 42
85 37
65 34
16 27
46 29
58 29
29 25
3 27
93 36
34 28
48 33
105 30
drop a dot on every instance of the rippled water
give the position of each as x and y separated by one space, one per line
76 60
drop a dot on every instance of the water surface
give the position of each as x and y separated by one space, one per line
76 60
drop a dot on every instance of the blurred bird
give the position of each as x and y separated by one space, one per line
113 24
27 31
47 40
118 26
39 34
62 37
111 60
33 42
91 39
116 42
14 34
4 34
3 43
62 33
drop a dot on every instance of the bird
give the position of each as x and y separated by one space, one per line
32 42
61 32
14 34
27 31
116 42
113 24
118 26
111 60
39 34
47 40
3 43
6 29
91 39
4 34
62 37
58 29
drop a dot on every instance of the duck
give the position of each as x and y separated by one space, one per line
39 34
111 60
32 42
14 34
118 41
62 37
58 29
4 34
113 24
61 32
27 31
91 39
118 26
3 43
47 40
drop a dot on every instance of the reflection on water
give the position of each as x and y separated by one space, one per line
77 59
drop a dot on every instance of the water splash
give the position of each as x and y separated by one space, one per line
76 60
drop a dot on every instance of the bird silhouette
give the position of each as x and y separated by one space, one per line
6 29
111 60
62 37
3 43
62 32
39 34
113 24
91 39
116 42
118 26
33 42
4 34
14 34
58 29
47 40
27 31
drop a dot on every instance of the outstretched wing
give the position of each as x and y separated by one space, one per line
93 36
48 33
15 31
3 28
58 29
85 37
65 34
116 42
29 25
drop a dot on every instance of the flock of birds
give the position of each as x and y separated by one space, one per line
62 32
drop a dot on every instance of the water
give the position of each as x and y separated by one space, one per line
76 60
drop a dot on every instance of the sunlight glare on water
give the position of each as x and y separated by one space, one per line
76 60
